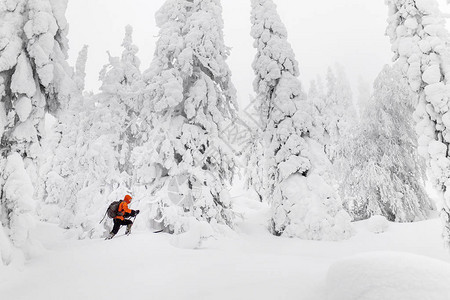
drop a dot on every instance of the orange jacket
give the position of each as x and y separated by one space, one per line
123 208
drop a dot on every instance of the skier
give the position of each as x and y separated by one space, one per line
123 212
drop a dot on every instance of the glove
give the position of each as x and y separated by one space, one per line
137 212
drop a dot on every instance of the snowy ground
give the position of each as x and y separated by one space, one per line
250 264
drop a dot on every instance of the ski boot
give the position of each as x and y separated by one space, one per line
128 231
110 236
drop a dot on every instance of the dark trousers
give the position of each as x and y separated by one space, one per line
118 223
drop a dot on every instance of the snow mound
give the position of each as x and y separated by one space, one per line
388 276
192 239
377 224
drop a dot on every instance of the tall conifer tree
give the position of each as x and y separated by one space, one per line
191 100
34 78
420 43
303 203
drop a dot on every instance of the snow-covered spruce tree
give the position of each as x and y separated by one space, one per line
420 43
303 203
80 69
364 92
122 92
317 99
338 113
171 18
34 78
253 157
382 172
59 148
47 209
192 100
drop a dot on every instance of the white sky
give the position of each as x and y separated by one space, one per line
322 33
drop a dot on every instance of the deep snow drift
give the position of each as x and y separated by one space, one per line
248 264
389 275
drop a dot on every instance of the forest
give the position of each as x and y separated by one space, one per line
176 137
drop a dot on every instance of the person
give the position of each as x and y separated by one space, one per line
123 213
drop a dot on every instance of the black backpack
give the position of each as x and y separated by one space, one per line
113 209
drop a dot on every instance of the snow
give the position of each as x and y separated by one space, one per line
18 193
195 235
59 8
427 6
249 263
432 74
13 46
388 275
377 224
22 81
25 131
23 108
437 148
174 118
17 185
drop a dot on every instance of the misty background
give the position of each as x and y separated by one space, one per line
322 33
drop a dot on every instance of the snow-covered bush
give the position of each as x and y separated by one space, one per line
19 203
303 202
377 224
420 43
196 233
380 170
190 100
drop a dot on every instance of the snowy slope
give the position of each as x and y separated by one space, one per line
389 275
250 264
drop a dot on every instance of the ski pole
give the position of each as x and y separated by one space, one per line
134 218
103 218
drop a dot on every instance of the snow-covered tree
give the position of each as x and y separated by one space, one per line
122 92
317 99
364 92
92 159
303 203
338 113
254 160
53 187
382 173
34 78
191 101
84 173
420 43
84 168
80 69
